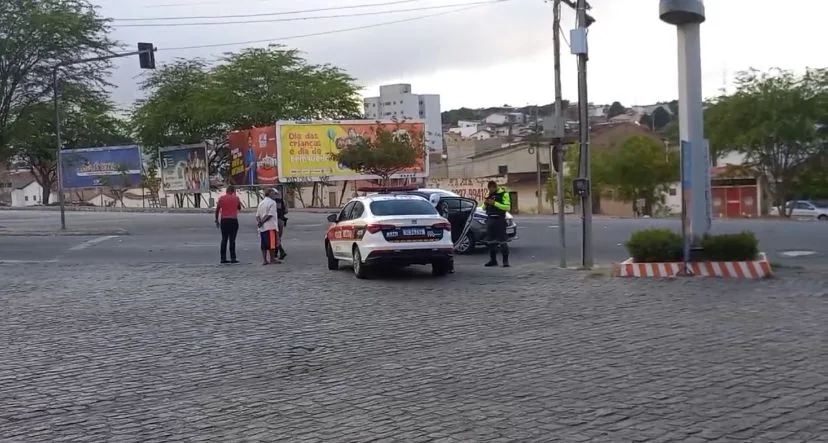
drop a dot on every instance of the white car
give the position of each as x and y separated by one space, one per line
389 230
805 209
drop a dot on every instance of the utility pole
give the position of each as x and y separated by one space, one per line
536 147
146 59
558 151
578 39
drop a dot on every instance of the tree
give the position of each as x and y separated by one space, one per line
190 101
87 120
776 119
151 182
640 169
37 35
387 153
616 109
660 118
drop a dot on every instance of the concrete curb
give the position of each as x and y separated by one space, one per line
66 233
750 270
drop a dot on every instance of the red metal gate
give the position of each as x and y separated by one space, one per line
735 201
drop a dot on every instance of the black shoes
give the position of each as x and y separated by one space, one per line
490 264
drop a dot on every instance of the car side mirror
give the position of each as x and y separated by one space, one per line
333 217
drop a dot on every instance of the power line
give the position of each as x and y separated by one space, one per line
300 11
333 31
319 17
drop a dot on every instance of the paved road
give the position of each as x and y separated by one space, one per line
192 237
145 338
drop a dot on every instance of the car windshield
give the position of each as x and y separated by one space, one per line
414 206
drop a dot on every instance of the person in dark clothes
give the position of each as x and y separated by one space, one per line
282 207
496 205
227 220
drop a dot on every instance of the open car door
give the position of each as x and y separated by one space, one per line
460 213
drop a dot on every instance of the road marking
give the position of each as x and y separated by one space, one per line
798 253
25 262
93 242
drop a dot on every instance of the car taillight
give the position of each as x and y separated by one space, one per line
373 229
442 225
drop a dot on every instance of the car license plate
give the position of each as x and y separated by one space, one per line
414 232
510 230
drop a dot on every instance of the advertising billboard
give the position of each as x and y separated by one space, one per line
253 157
304 149
184 169
95 167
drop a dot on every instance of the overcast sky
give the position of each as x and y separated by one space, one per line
493 54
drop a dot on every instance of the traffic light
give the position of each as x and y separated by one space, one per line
146 55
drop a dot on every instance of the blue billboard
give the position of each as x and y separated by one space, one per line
117 166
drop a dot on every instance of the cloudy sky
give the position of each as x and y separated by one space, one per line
485 55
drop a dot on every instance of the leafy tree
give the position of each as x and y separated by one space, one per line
37 35
616 109
646 120
87 120
639 170
387 153
190 101
660 118
151 182
775 119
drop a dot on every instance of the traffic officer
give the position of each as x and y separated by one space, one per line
496 205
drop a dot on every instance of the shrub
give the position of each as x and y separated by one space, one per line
655 245
730 247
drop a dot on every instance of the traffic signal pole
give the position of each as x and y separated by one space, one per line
580 49
146 54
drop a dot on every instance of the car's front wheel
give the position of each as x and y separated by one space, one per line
333 263
466 244
822 217
360 270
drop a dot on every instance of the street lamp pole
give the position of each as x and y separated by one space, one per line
579 35
59 167
559 132
687 16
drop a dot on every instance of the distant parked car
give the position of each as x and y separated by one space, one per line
817 209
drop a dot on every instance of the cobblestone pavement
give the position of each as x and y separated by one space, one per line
108 352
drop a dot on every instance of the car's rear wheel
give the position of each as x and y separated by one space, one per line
360 270
441 268
333 263
466 244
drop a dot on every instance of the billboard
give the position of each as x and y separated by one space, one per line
304 148
107 166
253 157
184 169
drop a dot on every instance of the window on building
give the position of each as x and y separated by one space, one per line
502 170
26 198
672 192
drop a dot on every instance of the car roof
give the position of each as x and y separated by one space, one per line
437 191
386 197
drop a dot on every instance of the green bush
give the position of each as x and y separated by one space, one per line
655 245
730 247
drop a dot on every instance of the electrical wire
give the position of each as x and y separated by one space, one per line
333 31
299 11
319 17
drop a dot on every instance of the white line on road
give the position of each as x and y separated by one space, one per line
25 262
92 242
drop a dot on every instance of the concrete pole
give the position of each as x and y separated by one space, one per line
687 16
536 145
58 159
587 260
559 132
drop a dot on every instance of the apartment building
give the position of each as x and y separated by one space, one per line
397 101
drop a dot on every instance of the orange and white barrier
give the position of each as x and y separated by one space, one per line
754 269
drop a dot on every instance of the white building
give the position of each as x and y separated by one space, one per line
465 128
398 101
19 188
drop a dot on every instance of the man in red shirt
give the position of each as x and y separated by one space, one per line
227 220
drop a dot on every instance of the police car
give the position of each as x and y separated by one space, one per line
389 230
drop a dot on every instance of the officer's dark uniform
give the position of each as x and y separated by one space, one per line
496 225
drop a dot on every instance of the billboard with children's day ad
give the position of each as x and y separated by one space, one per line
253 157
304 149
97 167
184 169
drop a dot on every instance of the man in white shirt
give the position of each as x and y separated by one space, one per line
267 217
